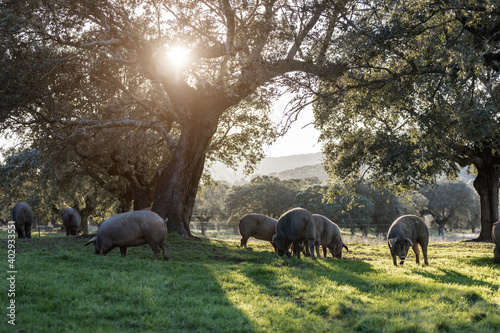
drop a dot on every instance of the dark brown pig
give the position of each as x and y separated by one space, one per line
329 236
23 219
295 227
132 229
258 226
496 238
71 221
406 231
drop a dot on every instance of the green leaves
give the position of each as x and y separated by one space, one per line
416 101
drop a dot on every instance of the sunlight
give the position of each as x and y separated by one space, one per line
178 56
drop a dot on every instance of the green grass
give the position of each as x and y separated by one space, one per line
215 286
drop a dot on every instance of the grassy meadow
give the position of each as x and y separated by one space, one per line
215 286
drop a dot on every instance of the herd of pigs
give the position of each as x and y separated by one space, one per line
297 229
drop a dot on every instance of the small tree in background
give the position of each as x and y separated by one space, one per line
211 204
450 204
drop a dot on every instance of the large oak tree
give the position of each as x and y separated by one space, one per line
101 64
422 97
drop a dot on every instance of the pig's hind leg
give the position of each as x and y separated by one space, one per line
164 247
424 252
417 252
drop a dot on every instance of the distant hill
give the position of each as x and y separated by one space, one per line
307 171
290 167
466 176
286 167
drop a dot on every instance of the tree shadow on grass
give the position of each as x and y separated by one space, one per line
308 273
483 262
117 294
280 294
450 276
324 291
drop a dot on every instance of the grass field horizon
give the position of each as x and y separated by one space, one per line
215 286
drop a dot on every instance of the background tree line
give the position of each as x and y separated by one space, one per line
450 205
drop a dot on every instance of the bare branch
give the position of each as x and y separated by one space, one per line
318 10
230 26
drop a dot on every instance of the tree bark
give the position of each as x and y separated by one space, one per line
142 199
90 206
487 186
125 201
176 192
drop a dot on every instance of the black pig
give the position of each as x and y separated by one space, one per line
71 221
295 227
496 238
23 218
406 231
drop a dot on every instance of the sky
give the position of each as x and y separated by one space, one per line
4 143
301 138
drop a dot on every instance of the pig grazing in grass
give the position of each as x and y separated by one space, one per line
295 227
23 219
406 231
329 236
258 226
496 238
71 221
132 229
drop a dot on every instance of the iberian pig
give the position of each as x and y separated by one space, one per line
132 229
258 226
496 238
330 237
71 221
295 227
406 231
23 219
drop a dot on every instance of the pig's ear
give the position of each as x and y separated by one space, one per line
409 241
93 240
392 241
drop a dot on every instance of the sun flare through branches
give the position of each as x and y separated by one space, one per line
177 57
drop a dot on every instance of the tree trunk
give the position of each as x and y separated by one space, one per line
176 193
364 231
90 206
487 186
142 199
125 202
204 227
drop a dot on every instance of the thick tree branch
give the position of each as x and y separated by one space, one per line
317 11
230 26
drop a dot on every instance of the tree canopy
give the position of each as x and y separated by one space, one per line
89 80
421 97
140 96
